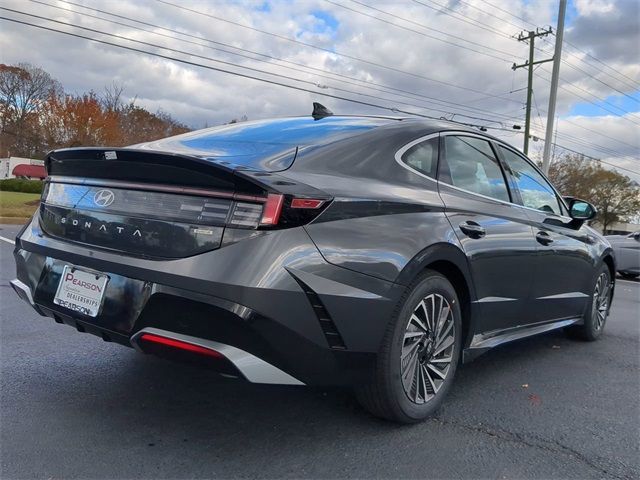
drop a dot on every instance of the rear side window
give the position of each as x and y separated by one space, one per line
536 192
423 157
469 163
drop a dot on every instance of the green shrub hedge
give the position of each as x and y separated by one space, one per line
21 185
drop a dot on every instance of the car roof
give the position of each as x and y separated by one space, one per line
271 144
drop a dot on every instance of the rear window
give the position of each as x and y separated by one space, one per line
264 144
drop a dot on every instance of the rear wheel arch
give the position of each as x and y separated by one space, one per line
611 264
451 262
608 260
452 273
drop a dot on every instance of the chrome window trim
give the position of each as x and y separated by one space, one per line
510 204
509 147
398 155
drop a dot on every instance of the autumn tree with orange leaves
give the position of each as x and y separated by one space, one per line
37 116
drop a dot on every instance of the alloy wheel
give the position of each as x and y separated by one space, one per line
427 348
601 300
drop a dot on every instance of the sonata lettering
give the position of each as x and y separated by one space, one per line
102 228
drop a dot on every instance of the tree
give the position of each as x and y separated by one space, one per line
78 120
139 125
24 89
616 196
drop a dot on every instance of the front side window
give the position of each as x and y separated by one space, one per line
470 164
536 192
423 157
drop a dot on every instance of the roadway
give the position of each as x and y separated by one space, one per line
73 406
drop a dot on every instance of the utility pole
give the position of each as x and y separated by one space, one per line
551 111
530 37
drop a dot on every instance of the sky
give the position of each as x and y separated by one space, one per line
441 58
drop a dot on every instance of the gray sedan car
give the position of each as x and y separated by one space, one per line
627 249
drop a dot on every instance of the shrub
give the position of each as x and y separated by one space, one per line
21 185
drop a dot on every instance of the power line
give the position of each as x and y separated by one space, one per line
240 74
462 17
597 159
600 81
565 41
440 102
422 26
332 52
505 11
636 82
421 33
222 70
564 87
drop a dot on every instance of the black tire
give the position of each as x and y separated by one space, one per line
595 317
387 395
629 276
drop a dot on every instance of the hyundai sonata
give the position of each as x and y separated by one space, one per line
369 252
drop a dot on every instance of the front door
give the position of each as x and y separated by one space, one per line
564 266
496 235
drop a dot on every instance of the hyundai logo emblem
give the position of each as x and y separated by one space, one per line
104 198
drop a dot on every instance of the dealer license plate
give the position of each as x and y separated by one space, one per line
81 290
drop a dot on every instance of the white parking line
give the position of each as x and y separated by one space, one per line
630 282
8 240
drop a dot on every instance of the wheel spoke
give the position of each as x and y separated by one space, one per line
423 307
424 382
433 384
442 318
408 369
444 334
417 380
441 360
433 317
417 321
442 375
446 343
409 350
410 335
427 348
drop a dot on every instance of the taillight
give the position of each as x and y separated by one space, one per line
311 203
272 209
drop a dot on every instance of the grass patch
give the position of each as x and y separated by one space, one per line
17 204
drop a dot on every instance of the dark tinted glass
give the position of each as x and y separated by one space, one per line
423 156
471 165
536 192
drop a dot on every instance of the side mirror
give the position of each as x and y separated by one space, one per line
636 236
581 210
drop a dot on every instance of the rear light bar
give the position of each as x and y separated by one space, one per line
180 345
187 206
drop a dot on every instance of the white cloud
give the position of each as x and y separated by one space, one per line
589 7
198 95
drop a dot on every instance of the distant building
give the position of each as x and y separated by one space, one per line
18 167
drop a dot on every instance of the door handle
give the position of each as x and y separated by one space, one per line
544 238
472 229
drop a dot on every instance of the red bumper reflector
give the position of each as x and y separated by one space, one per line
272 209
306 203
189 347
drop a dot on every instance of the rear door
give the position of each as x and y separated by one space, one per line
495 234
564 266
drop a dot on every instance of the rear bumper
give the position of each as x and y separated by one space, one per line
270 300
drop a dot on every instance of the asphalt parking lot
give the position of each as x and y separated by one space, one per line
73 406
